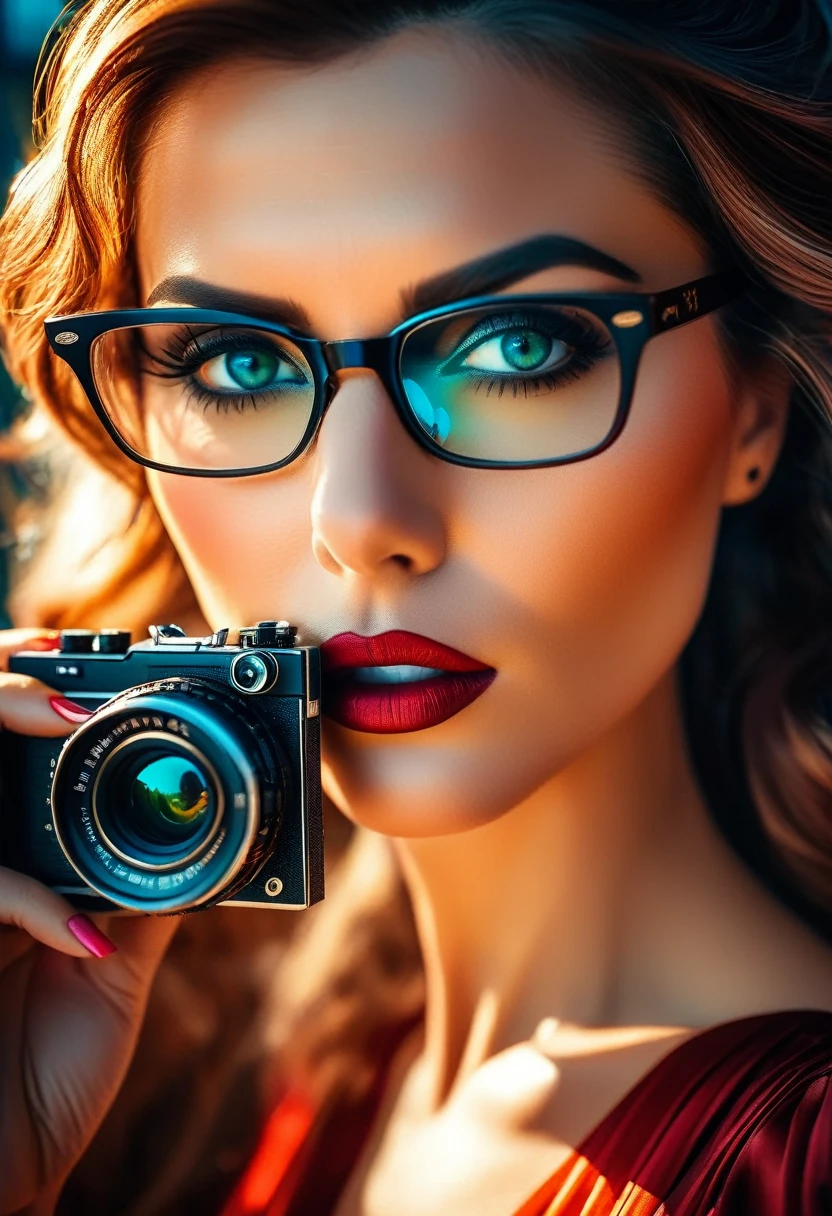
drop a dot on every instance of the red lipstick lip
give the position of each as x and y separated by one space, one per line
398 647
385 709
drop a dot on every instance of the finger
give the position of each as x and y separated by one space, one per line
141 940
48 917
14 943
13 640
29 707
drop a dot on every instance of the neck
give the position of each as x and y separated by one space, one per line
572 904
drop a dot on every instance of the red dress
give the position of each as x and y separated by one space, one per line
734 1121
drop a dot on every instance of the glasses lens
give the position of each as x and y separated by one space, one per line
524 383
205 397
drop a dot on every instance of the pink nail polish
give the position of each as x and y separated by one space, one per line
69 710
90 936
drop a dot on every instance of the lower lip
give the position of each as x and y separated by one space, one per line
393 709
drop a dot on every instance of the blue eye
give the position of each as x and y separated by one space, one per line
247 371
518 350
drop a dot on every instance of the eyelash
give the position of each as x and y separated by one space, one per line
515 382
583 338
183 363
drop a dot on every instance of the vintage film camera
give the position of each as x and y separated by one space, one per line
196 781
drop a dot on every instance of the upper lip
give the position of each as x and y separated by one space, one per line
398 647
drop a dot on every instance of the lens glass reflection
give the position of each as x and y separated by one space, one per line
155 802
169 797
205 396
522 383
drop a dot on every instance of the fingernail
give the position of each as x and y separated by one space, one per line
69 710
47 642
90 936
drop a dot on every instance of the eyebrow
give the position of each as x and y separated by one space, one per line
500 269
181 289
491 272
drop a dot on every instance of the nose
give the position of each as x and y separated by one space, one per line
376 505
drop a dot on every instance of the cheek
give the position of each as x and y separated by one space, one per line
652 509
242 540
608 560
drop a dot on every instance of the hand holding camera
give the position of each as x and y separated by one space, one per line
193 780
68 1021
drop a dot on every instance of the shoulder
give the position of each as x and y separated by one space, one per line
779 1151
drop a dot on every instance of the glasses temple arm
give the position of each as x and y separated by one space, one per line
695 299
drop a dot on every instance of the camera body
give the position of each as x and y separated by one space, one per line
195 781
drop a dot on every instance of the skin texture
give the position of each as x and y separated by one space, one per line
559 854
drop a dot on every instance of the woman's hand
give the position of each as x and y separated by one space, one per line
71 1002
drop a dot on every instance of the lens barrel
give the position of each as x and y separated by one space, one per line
169 798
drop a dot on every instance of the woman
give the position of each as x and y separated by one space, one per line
575 619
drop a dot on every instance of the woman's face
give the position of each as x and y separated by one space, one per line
579 585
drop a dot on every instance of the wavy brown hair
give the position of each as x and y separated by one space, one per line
726 112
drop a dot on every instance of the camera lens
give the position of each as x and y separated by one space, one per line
253 673
170 796
154 802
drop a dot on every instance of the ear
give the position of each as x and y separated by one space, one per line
761 410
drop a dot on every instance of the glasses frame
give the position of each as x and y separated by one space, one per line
632 319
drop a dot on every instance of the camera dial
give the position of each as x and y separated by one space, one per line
278 635
89 641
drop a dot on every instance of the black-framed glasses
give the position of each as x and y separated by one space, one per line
507 381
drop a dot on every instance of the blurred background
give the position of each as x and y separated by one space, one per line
23 27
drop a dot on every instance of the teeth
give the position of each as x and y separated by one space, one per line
401 674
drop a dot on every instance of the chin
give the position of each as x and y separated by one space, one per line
412 791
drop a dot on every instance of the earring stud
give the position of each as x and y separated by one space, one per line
753 473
